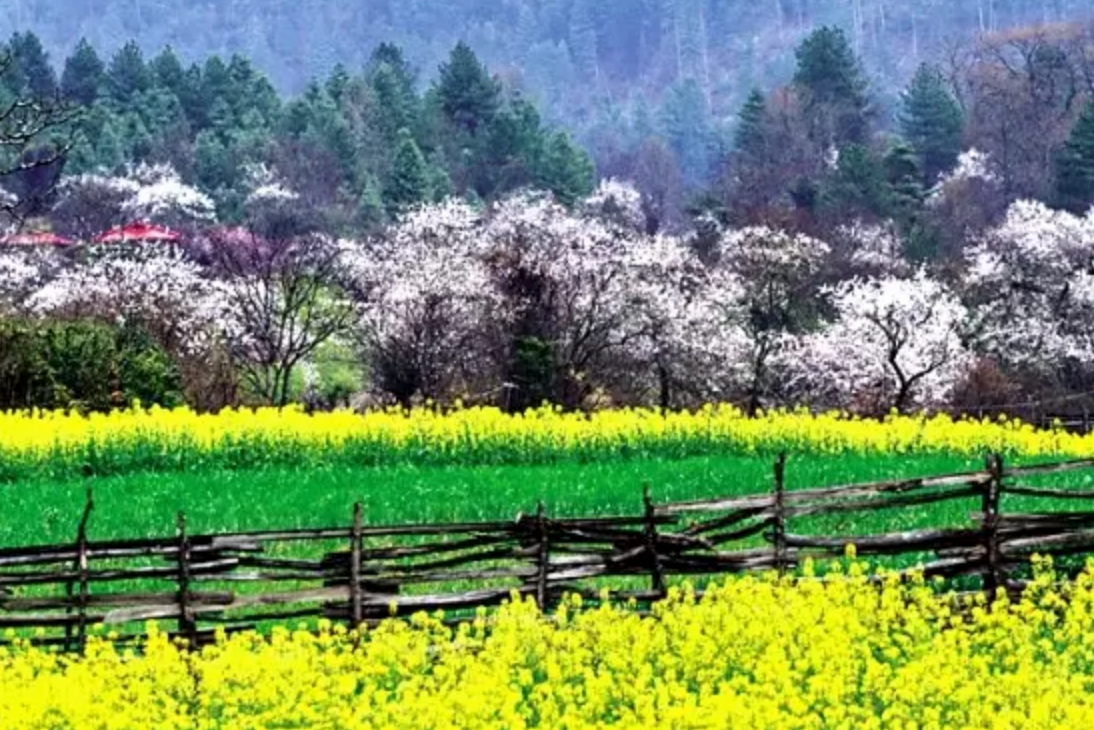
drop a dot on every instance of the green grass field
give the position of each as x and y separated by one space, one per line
145 504
41 512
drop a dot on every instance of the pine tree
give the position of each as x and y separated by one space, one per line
128 75
686 125
905 184
857 187
831 84
109 148
469 97
167 71
932 122
395 103
565 170
83 75
409 183
750 139
32 66
1075 165
370 203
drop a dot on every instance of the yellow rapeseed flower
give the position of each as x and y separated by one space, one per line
753 652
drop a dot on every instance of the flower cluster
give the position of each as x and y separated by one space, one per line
752 652
61 443
162 290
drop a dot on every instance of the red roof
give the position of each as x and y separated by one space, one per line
138 232
38 238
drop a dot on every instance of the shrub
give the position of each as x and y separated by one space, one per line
83 366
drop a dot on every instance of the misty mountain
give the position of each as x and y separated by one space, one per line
583 59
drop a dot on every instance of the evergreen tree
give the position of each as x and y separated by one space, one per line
110 153
212 163
857 187
750 139
32 68
833 89
685 122
391 56
83 75
905 184
469 97
510 150
395 102
1075 165
370 203
565 170
409 183
127 75
167 72
932 121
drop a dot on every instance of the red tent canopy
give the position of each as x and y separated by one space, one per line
138 232
39 238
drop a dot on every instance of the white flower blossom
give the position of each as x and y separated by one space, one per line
162 289
896 342
616 200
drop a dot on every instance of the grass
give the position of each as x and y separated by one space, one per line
145 504
142 505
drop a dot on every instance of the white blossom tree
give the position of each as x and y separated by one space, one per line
90 204
1030 284
22 271
895 343
872 249
286 299
573 307
162 197
162 291
615 201
426 302
762 291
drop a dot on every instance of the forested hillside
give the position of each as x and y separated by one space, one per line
355 149
608 69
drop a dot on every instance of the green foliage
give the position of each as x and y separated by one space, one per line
833 88
932 122
31 74
750 138
469 96
905 186
409 184
1075 165
222 495
84 75
127 76
82 366
857 186
566 170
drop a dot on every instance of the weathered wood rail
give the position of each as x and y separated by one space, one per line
362 573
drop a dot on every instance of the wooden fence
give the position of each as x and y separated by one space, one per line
364 573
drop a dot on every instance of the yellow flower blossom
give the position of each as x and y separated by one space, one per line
755 651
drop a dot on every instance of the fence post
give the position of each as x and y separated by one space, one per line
779 529
80 566
993 576
356 611
657 571
542 557
82 570
187 625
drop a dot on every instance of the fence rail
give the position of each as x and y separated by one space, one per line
361 573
